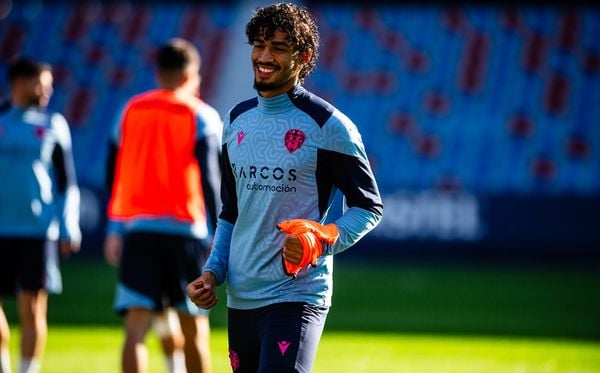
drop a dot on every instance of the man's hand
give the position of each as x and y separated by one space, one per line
302 245
202 291
292 249
67 247
113 248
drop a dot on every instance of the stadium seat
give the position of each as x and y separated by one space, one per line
482 98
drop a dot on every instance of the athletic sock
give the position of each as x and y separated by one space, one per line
30 365
4 361
176 362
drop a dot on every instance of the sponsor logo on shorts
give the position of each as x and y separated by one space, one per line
283 346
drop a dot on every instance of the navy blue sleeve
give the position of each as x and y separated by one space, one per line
228 191
207 154
352 176
111 161
60 170
64 171
67 197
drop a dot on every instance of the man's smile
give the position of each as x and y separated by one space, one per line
265 71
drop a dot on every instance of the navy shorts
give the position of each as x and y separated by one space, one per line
278 338
155 270
28 264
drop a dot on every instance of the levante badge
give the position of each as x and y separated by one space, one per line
294 139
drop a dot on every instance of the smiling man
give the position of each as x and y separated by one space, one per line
285 154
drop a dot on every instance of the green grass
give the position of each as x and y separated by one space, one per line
96 350
391 317
552 302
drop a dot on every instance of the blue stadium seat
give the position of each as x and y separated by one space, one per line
489 99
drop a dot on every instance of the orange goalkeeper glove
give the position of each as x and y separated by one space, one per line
310 234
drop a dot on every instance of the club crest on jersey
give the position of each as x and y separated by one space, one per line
294 139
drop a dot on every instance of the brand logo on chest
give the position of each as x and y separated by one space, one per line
294 139
241 135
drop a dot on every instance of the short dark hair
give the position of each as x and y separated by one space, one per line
23 67
177 55
292 19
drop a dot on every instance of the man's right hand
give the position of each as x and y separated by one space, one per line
202 291
113 248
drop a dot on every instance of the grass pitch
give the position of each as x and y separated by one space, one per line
391 317
96 350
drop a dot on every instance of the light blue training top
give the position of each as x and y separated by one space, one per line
39 197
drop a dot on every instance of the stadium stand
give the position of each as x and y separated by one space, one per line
476 102
487 99
102 54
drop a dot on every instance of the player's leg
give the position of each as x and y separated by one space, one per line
167 327
244 341
34 328
32 302
8 284
138 296
182 262
196 331
4 341
135 353
290 334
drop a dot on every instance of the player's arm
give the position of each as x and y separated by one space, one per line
202 291
67 191
113 244
307 240
354 178
351 173
112 151
208 154
111 163
219 256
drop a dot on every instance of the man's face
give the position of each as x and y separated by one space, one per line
37 90
276 65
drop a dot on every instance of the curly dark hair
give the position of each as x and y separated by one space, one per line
292 19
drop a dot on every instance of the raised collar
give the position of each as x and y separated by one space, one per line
282 102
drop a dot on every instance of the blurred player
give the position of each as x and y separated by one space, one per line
39 206
164 172
285 153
